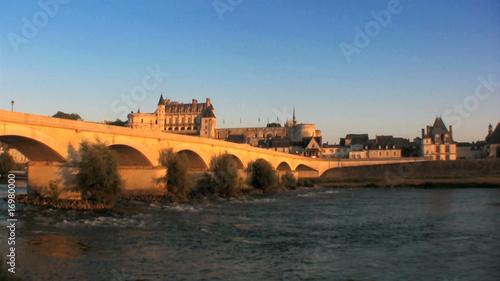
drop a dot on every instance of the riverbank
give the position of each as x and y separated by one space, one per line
66 204
451 182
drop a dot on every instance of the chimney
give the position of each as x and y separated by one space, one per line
208 102
423 133
451 132
428 130
195 102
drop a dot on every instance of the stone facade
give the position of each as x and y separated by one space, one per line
492 147
358 146
170 116
438 142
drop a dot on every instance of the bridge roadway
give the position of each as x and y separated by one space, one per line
48 142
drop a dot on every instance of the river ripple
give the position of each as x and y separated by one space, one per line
314 234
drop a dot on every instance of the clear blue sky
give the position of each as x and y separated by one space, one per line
259 59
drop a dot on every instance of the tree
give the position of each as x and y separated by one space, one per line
117 122
178 182
6 164
98 179
263 176
70 116
226 179
289 181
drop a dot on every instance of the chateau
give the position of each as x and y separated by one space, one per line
174 117
198 119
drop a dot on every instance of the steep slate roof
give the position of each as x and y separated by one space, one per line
236 138
439 127
162 100
209 112
384 140
495 136
357 138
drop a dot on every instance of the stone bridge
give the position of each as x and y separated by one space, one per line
48 142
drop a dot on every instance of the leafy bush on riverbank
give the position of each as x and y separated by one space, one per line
177 178
289 181
98 179
225 180
307 182
262 175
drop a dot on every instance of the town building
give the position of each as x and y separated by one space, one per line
358 146
492 146
335 151
437 142
468 150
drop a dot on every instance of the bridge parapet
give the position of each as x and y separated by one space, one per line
138 148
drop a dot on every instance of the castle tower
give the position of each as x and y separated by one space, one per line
160 114
208 122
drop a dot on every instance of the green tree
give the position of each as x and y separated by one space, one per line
117 122
98 179
289 181
70 116
177 178
263 176
6 164
226 179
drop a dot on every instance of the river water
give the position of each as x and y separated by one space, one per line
311 234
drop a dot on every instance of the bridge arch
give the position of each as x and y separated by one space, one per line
328 173
284 166
195 161
239 164
306 171
129 156
33 149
